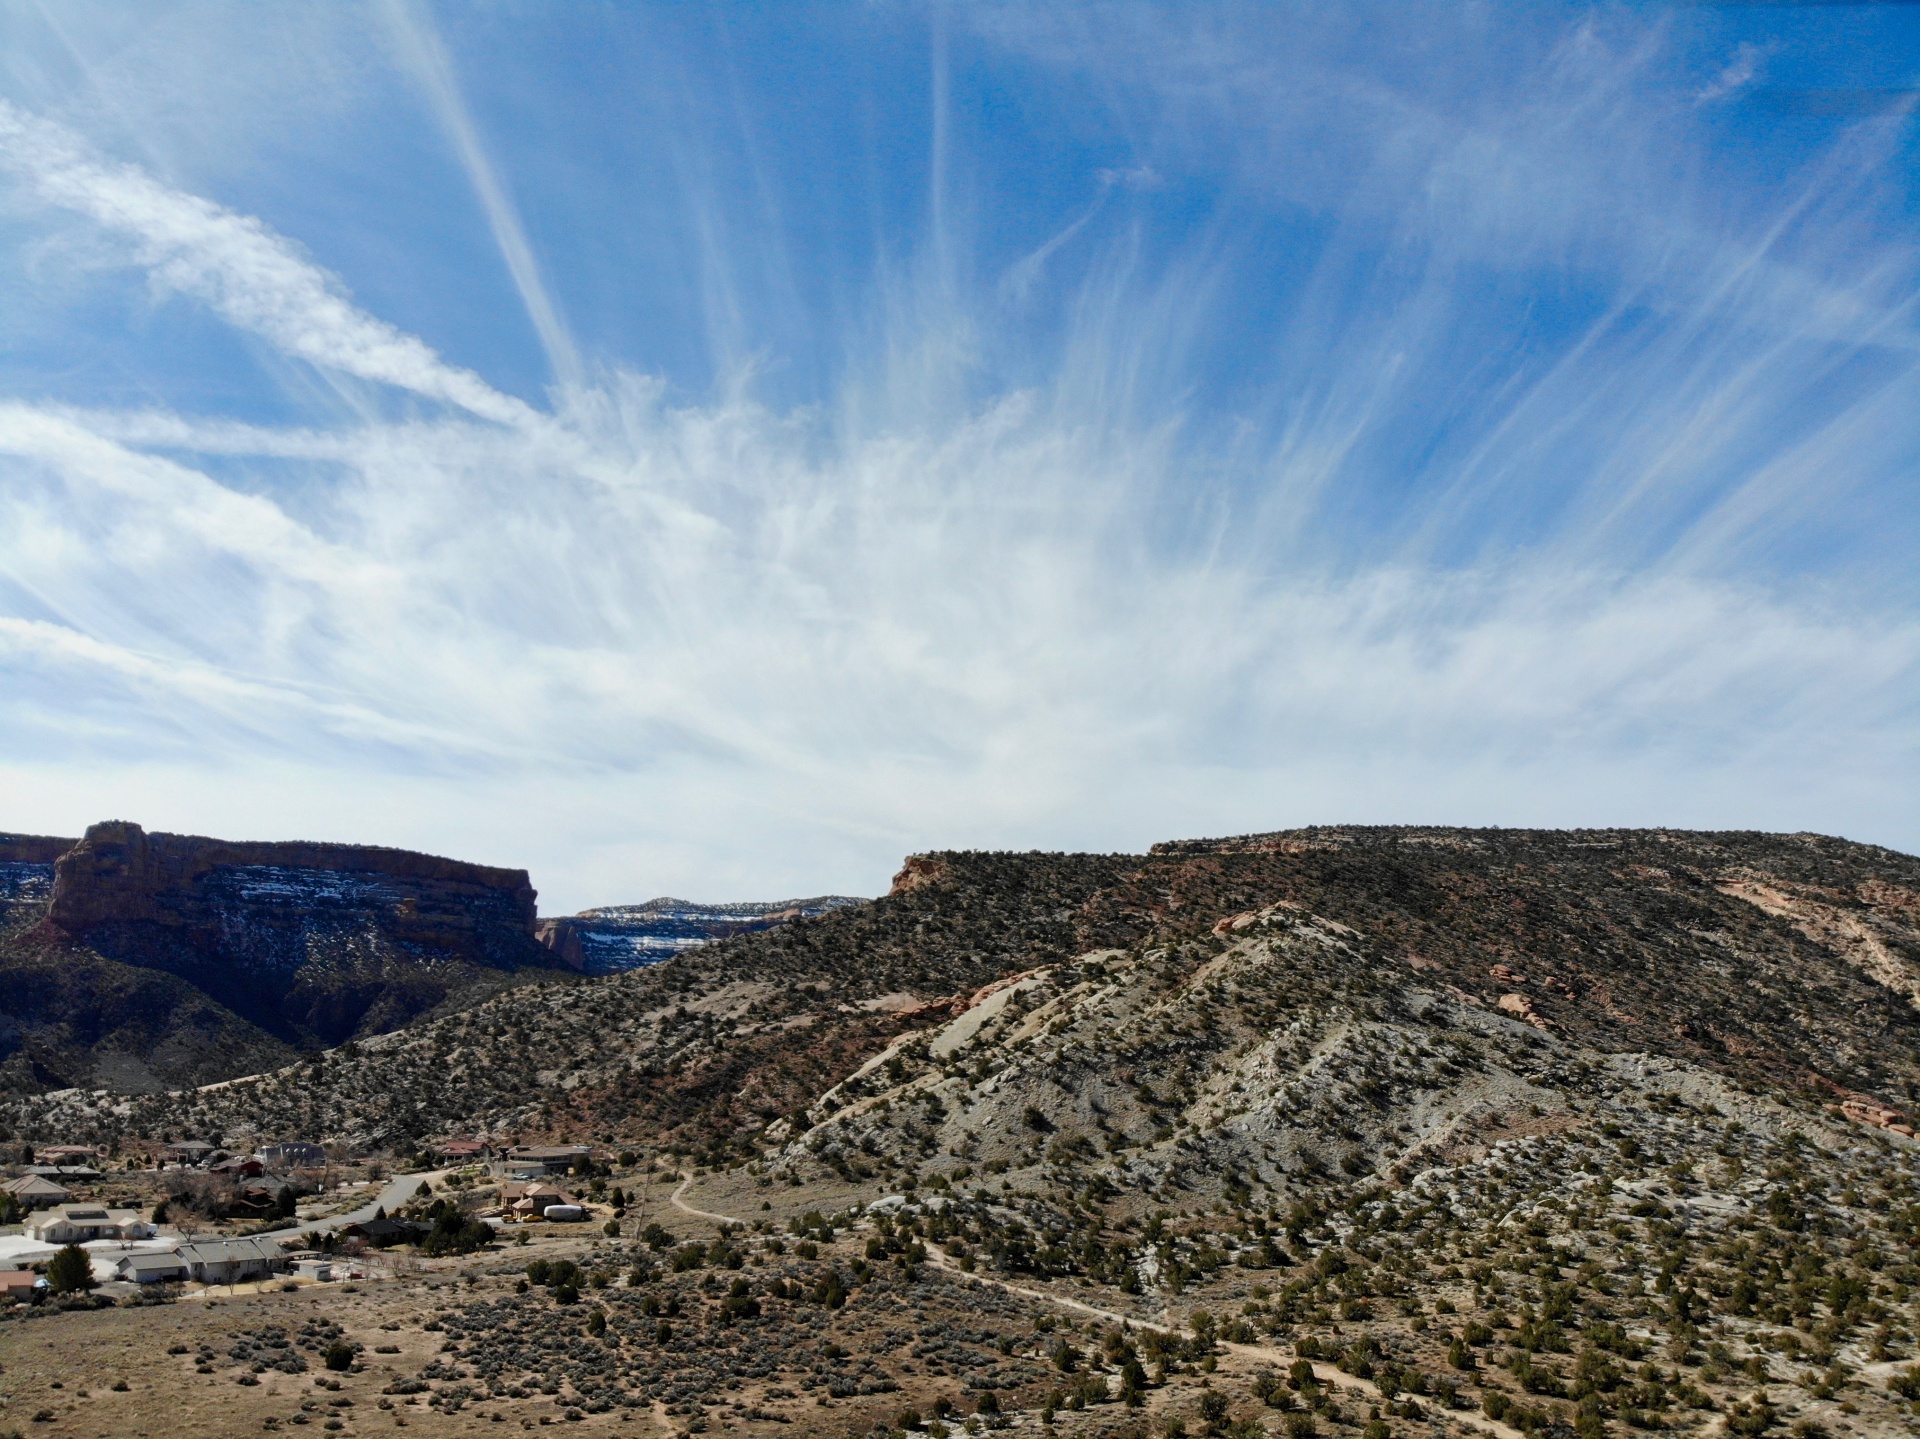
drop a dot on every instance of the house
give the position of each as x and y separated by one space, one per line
529 1200
57 1172
260 1202
83 1223
239 1166
82 1154
461 1151
18 1283
230 1261
293 1154
382 1232
35 1191
188 1151
160 1268
318 1270
551 1158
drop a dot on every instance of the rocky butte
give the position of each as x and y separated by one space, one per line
312 943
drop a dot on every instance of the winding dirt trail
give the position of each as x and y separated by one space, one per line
1333 1378
685 1208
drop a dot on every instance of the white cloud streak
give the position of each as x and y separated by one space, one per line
655 645
419 42
253 278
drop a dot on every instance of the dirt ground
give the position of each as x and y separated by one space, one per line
466 1345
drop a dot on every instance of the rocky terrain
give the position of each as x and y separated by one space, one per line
630 936
1377 1131
136 960
1782 961
139 962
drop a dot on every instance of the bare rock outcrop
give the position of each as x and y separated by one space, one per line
313 943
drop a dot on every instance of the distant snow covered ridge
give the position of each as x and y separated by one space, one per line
619 937
26 882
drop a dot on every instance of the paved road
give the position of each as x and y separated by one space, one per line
397 1191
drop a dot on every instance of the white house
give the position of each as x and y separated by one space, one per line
83 1223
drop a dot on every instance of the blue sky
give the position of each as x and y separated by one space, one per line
717 449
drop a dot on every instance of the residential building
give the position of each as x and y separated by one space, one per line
293 1154
552 1158
529 1199
36 1191
231 1261
83 1154
83 1223
155 1268
18 1283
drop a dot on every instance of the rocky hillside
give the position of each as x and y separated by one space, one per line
1784 961
136 961
1385 1132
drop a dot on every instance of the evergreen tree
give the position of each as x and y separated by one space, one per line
70 1270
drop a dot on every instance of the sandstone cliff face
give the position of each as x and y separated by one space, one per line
120 873
312 943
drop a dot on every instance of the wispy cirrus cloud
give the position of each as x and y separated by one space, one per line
251 277
1507 497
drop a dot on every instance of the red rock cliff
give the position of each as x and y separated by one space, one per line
314 943
119 873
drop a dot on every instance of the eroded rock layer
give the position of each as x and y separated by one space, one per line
134 960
